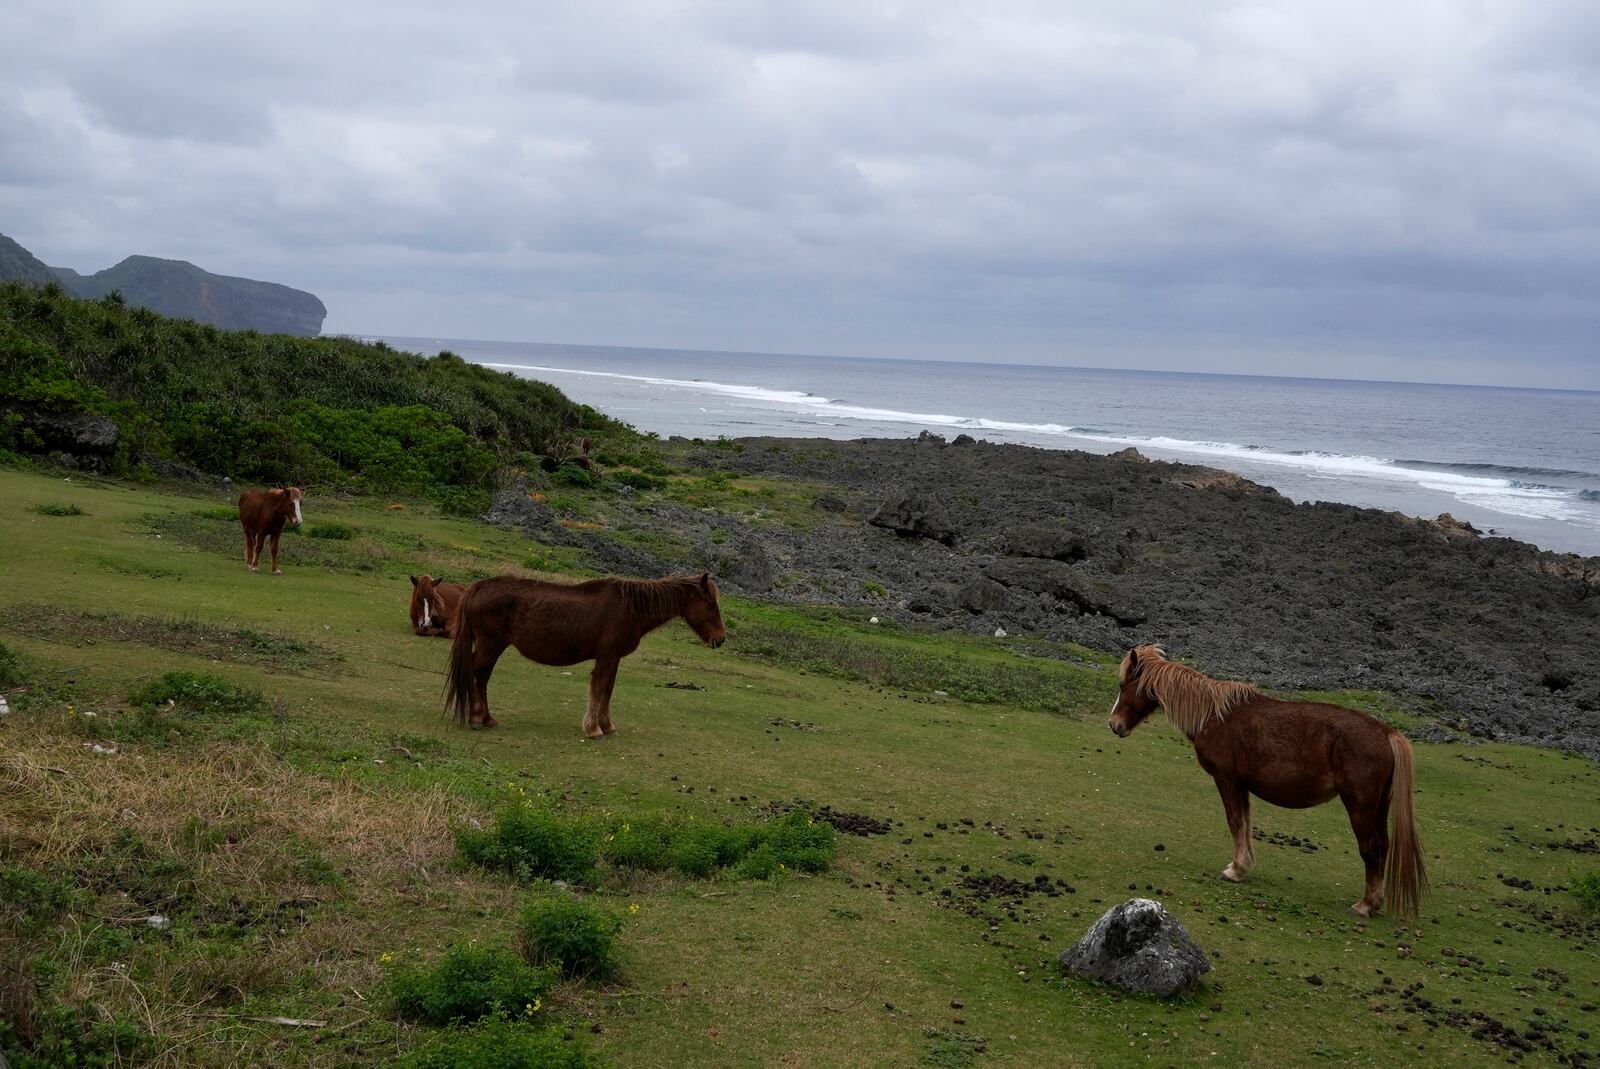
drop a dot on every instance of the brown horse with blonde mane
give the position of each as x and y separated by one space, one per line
560 624
263 514
1291 754
434 604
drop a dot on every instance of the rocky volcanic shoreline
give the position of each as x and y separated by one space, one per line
1495 637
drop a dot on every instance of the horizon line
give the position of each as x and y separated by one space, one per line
971 363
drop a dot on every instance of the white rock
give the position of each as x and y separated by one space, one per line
999 632
97 748
5 710
873 620
158 921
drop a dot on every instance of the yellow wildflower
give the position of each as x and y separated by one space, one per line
634 908
385 958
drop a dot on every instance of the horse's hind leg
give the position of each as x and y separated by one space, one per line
597 717
1367 820
1236 806
486 655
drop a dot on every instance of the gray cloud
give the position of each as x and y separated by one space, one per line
1400 190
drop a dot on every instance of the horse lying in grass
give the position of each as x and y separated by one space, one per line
1291 754
434 604
561 624
263 514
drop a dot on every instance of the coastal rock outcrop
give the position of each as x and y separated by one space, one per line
1049 541
1139 947
916 514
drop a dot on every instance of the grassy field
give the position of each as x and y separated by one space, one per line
304 849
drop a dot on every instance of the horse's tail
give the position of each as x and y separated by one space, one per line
1404 879
458 679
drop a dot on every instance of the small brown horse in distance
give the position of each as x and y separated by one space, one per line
263 514
560 624
1291 754
434 604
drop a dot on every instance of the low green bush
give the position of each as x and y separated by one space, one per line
332 532
532 842
10 667
640 480
1587 890
30 900
574 475
198 692
501 1041
564 932
54 509
70 1037
469 982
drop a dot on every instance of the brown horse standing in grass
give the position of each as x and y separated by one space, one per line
561 624
434 605
1292 754
263 514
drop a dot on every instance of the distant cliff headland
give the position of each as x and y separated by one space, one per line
178 289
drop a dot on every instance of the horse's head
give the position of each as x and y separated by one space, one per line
1134 702
703 614
289 503
425 601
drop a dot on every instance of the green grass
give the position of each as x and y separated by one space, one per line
292 845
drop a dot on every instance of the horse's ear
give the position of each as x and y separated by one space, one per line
413 580
705 580
1130 664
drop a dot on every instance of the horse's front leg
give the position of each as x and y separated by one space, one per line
597 718
275 569
1236 806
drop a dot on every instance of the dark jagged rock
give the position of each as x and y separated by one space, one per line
744 567
983 595
1049 541
163 468
77 436
1063 583
1139 947
515 507
964 439
826 502
916 514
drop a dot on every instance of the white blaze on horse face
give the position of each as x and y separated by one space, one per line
427 614
297 510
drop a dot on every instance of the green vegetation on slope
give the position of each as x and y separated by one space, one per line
324 412
296 828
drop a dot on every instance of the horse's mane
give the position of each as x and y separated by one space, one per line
1190 698
655 597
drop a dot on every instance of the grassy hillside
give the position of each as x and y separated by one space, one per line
300 843
328 412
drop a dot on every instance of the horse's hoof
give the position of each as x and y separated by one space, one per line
277 571
594 738
1361 909
1232 875
477 727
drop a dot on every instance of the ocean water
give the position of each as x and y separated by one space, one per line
1522 463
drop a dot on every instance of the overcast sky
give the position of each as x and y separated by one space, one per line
1399 189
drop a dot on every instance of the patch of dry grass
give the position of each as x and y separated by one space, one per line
281 890
180 634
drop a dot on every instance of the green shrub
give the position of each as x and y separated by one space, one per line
500 1041
640 480
69 1037
1587 891
800 842
197 692
531 842
333 532
53 509
638 844
574 475
467 983
30 900
463 501
747 851
10 667
566 933
221 512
